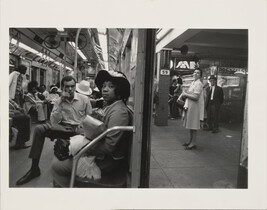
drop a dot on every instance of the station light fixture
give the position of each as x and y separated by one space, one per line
78 50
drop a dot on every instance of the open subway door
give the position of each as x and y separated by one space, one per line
137 62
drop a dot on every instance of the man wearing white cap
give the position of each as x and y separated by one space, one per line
84 88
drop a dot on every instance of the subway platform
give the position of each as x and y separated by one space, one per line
213 164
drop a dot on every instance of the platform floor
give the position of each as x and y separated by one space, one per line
213 164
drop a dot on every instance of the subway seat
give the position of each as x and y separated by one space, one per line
118 178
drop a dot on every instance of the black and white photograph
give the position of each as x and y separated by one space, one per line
134 113
200 143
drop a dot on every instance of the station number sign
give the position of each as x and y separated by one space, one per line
164 72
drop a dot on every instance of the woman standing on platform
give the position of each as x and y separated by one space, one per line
193 108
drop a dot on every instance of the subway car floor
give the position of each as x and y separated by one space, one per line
213 164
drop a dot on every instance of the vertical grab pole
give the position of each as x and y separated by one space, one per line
76 46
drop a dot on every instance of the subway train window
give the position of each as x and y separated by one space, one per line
128 108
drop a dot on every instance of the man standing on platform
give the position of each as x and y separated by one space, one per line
214 101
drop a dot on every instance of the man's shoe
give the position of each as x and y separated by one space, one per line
17 147
31 174
186 144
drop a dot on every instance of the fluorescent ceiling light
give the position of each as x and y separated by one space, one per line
26 47
69 68
60 29
78 51
59 64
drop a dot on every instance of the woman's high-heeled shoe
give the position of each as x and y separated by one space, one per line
190 147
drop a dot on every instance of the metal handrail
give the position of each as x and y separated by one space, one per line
89 145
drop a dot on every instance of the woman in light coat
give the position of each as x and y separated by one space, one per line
193 109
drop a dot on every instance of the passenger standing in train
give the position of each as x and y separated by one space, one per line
68 112
194 109
214 101
15 84
111 153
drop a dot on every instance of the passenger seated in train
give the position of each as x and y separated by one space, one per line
96 94
52 97
68 112
25 84
111 152
84 88
22 123
59 91
34 103
43 91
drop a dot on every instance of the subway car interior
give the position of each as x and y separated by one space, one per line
150 59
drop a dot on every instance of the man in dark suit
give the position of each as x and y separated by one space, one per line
214 101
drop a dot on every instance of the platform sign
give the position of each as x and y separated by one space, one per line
164 72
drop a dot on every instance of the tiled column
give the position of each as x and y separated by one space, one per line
161 116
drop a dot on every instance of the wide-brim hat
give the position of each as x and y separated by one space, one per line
84 88
212 77
119 77
52 88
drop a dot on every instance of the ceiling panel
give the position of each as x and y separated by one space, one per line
214 42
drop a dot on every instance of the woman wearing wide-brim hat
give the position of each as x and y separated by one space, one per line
115 89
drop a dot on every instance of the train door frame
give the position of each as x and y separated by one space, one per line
142 50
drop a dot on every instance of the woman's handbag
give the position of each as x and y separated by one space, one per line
61 149
180 103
